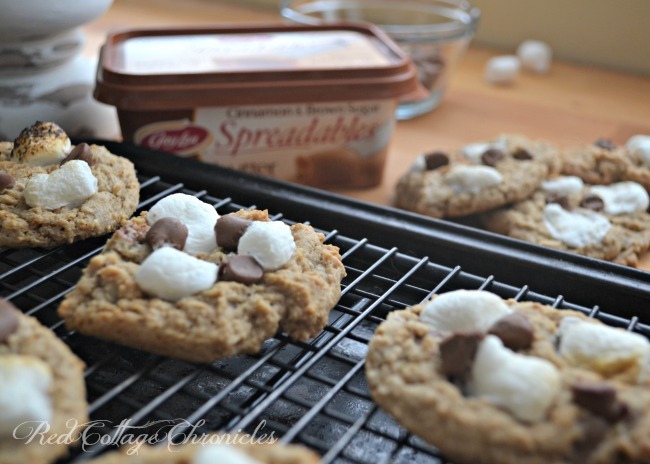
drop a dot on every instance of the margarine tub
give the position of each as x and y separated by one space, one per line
307 104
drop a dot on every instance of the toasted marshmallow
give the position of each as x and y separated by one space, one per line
464 311
199 218
70 185
639 145
622 197
502 70
606 350
523 385
567 185
575 229
24 392
172 274
535 56
472 179
42 144
270 243
226 454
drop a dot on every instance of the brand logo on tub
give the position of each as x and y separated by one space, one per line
178 137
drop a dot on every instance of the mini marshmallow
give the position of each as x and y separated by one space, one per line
523 385
70 185
472 179
24 392
622 197
473 151
225 454
199 218
535 56
567 185
576 229
639 145
502 70
419 164
605 349
270 243
172 274
464 311
42 144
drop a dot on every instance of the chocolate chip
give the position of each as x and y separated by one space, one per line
229 229
7 181
492 156
167 231
559 198
600 399
522 154
80 152
514 330
604 143
240 268
8 319
435 160
594 430
457 353
593 202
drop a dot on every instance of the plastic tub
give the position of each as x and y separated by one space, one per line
307 104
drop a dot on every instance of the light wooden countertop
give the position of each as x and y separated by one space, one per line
571 105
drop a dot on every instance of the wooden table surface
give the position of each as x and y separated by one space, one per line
573 104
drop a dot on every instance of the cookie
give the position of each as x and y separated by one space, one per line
604 222
603 162
52 193
492 381
42 391
214 448
477 178
165 284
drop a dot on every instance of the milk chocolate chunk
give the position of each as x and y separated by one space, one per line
604 143
435 160
492 156
522 155
559 198
8 319
167 231
240 268
600 399
593 202
80 152
514 330
229 229
457 353
7 181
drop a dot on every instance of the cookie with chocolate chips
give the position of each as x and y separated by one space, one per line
605 162
53 193
608 222
495 381
42 382
479 177
182 281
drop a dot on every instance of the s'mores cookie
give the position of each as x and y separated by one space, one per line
53 193
182 281
479 177
608 222
495 381
42 391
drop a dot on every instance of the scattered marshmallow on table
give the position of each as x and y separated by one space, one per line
199 218
70 185
639 145
502 69
270 243
535 56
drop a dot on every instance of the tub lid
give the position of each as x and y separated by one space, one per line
147 69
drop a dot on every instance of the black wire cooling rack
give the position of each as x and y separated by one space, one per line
312 393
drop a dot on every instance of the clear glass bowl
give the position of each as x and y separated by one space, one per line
435 33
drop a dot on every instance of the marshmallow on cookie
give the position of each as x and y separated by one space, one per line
42 144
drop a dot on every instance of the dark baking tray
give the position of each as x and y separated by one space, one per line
312 393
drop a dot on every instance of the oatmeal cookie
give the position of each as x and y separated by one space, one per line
477 178
492 381
165 284
52 193
42 385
